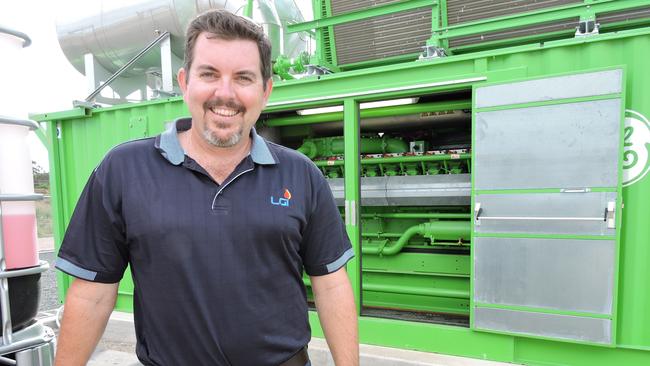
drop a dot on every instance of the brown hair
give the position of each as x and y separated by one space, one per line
225 25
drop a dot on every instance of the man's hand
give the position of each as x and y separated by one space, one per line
88 306
338 316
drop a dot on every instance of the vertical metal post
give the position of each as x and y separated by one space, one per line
444 22
435 25
89 69
353 192
4 290
317 58
166 65
248 10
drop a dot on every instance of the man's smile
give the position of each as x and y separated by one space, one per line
225 112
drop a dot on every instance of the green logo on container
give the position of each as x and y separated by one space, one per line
636 147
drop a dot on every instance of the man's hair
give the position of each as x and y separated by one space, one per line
225 25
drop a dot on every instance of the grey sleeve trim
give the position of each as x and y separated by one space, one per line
343 259
74 270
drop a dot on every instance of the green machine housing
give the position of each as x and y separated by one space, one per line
489 161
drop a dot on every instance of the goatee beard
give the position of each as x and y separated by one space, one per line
213 140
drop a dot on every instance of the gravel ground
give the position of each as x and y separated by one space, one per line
49 295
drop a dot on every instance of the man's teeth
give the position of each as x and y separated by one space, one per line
225 112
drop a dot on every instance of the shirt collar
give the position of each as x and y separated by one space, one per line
170 147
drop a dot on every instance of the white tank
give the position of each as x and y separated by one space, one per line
114 31
18 218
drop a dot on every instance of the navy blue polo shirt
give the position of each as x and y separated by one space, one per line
217 268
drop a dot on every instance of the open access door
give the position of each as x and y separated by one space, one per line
547 200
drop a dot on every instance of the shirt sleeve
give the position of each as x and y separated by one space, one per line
94 247
326 246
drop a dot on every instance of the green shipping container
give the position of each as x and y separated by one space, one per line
560 244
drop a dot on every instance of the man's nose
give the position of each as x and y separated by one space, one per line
224 88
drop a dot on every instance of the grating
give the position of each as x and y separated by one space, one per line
536 29
346 6
623 15
463 11
383 36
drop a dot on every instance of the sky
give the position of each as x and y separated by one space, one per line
39 78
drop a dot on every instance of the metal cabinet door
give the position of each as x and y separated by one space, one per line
546 199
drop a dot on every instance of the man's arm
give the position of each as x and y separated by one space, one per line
338 316
88 306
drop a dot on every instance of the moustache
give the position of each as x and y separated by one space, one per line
215 103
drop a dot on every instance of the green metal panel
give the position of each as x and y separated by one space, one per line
353 193
86 136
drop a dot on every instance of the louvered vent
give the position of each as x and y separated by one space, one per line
379 37
327 44
537 29
623 15
464 11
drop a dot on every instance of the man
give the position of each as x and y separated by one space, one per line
217 225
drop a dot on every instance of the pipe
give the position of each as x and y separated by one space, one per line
370 113
248 10
418 215
26 40
328 146
436 230
422 291
409 290
399 159
397 247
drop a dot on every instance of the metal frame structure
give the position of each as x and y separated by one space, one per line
33 345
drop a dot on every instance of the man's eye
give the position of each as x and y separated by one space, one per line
245 78
206 75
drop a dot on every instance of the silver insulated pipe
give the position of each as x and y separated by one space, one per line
114 32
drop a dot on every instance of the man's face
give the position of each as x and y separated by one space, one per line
224 89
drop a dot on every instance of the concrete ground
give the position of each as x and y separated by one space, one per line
117 346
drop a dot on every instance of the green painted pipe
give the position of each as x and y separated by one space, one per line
410 290
329 146
422 291
436 230
391 111
399 159
248 10
418 215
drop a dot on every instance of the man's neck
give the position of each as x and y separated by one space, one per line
219 162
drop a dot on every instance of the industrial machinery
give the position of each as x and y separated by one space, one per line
489 159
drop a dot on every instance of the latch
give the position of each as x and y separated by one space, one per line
610 216
477 212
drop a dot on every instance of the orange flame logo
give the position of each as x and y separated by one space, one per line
287 194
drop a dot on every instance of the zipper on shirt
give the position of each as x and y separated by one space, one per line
226 185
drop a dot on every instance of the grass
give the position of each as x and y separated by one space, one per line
44 214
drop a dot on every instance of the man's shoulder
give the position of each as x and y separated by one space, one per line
133 147
128 153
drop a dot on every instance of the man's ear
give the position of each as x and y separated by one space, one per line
267 90
181 77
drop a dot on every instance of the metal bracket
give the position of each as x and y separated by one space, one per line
317 70
84 104
431 52
587 27
350 212
610 216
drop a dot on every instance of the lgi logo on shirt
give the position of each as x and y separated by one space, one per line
282 201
